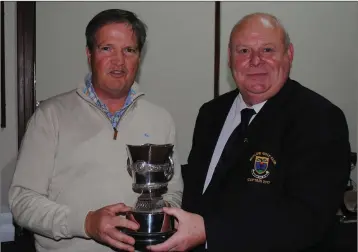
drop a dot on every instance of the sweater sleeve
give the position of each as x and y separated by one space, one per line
175 185
28 194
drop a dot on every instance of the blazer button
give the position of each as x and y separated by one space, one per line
246 140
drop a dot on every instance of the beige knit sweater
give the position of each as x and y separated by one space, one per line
69 164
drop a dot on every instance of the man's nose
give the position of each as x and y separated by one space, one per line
118 58
255 58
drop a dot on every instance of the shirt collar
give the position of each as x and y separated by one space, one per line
240 105
89 91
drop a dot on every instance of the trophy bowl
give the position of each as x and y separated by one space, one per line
151 168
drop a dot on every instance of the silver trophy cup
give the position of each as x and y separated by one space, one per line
151 168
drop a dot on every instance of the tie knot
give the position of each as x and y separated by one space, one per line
246 115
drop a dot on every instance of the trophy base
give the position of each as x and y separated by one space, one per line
154 228
142 240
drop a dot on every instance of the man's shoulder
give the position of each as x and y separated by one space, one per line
152 109
51 108
304 104
61 104
64 98
224 100
311 99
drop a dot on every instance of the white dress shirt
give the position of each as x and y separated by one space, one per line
233 119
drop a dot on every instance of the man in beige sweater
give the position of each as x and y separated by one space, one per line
71 179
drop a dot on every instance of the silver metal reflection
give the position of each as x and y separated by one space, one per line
151 167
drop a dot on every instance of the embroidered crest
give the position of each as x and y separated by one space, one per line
260 167
263 162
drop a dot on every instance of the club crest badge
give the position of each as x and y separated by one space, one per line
263 163
260 167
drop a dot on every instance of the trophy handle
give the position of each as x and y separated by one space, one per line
129 170
169 173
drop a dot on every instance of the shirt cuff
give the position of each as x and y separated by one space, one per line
76 223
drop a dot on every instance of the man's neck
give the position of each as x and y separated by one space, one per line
113 103
251 100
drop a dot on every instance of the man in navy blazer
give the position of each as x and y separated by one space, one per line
280 183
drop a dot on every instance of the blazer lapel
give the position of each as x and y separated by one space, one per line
217 120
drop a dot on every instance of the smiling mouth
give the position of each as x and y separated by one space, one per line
257 74
117 73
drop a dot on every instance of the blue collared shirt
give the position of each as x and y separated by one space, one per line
114 118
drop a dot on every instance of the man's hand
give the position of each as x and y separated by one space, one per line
101 225
191 232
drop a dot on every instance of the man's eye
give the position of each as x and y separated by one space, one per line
268 49
130 50
105 48
244 50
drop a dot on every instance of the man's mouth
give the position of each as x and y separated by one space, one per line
117 73
257 74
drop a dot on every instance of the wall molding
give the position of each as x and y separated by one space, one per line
26 39
2 77
217 48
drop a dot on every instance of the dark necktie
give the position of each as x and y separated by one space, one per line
237 135
230 152
246 115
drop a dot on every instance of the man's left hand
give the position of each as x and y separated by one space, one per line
190 233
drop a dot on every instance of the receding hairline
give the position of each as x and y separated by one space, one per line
271 18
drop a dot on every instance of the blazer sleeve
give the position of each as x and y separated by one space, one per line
318 166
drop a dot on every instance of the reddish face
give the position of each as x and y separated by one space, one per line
259 61
114 60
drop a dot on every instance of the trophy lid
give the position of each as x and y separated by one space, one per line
150 153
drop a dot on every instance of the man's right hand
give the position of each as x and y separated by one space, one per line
101 225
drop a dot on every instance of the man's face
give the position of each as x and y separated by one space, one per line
259 61
114 60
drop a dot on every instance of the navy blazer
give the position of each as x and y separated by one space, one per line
285 180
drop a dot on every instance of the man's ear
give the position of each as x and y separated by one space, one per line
88 54
229 56
290 52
